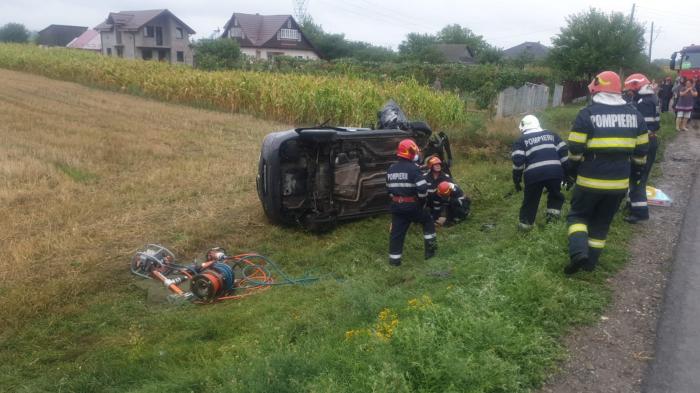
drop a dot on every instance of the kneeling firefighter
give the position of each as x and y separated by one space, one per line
408 190
450 205
607 144
541 156
645 102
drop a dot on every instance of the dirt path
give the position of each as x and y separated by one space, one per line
613 355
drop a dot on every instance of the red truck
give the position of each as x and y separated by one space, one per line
687 63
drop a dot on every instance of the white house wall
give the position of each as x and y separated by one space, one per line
253 52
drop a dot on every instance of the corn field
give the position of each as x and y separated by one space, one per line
290 98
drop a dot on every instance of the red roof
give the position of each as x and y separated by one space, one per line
90 40
259 28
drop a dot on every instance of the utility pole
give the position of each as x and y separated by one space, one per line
634 5
651 40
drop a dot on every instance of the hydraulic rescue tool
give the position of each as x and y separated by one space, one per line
219 277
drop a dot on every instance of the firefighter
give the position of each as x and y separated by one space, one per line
408 190
539 155
451 206
434 176
645 102
608 144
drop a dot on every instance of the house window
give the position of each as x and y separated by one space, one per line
181 56
289 24
236 32
109 51
289 34
120 51
119 38
147 54
148 31
162 55
179 33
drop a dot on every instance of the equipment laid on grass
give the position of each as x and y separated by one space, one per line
657 197
220 277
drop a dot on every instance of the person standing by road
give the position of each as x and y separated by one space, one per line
408 189
684 106
540 155
645 102
665 94
605 137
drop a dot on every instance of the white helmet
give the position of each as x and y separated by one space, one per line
530 123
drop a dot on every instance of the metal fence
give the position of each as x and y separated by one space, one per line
527 99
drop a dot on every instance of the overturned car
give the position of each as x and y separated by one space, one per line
317 176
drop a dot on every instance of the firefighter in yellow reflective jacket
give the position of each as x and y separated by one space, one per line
608 145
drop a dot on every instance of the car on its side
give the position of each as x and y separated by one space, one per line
319 175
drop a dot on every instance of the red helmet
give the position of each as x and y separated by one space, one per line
407 149
434 160
607 82
445 188
635 82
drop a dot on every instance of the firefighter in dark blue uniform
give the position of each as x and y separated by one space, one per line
608 143
540 155
408 190
434 176
451 205
645 102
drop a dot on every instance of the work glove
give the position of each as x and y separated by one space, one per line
569 182
441 221
518 187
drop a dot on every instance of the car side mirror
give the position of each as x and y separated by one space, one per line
672 65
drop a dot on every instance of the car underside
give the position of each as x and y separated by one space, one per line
317 176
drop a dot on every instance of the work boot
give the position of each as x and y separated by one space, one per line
430 248
576 264
632 219
593 257
395 262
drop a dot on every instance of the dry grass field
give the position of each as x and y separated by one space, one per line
87 176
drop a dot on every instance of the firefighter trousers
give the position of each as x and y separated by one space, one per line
531 200
638 192
402 215
588 224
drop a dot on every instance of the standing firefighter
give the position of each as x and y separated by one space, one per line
605 137
540 155
645 102
408 190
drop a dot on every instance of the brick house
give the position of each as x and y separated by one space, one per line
147 35
267 36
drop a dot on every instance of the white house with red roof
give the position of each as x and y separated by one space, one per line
268 36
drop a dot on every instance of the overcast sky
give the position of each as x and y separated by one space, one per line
503 23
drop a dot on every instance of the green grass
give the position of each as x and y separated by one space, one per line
493 325
77 174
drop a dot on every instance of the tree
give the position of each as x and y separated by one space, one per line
421 47
216 54
14 32
335 46
594 41
482 50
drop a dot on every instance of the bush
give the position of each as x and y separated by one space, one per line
217 54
